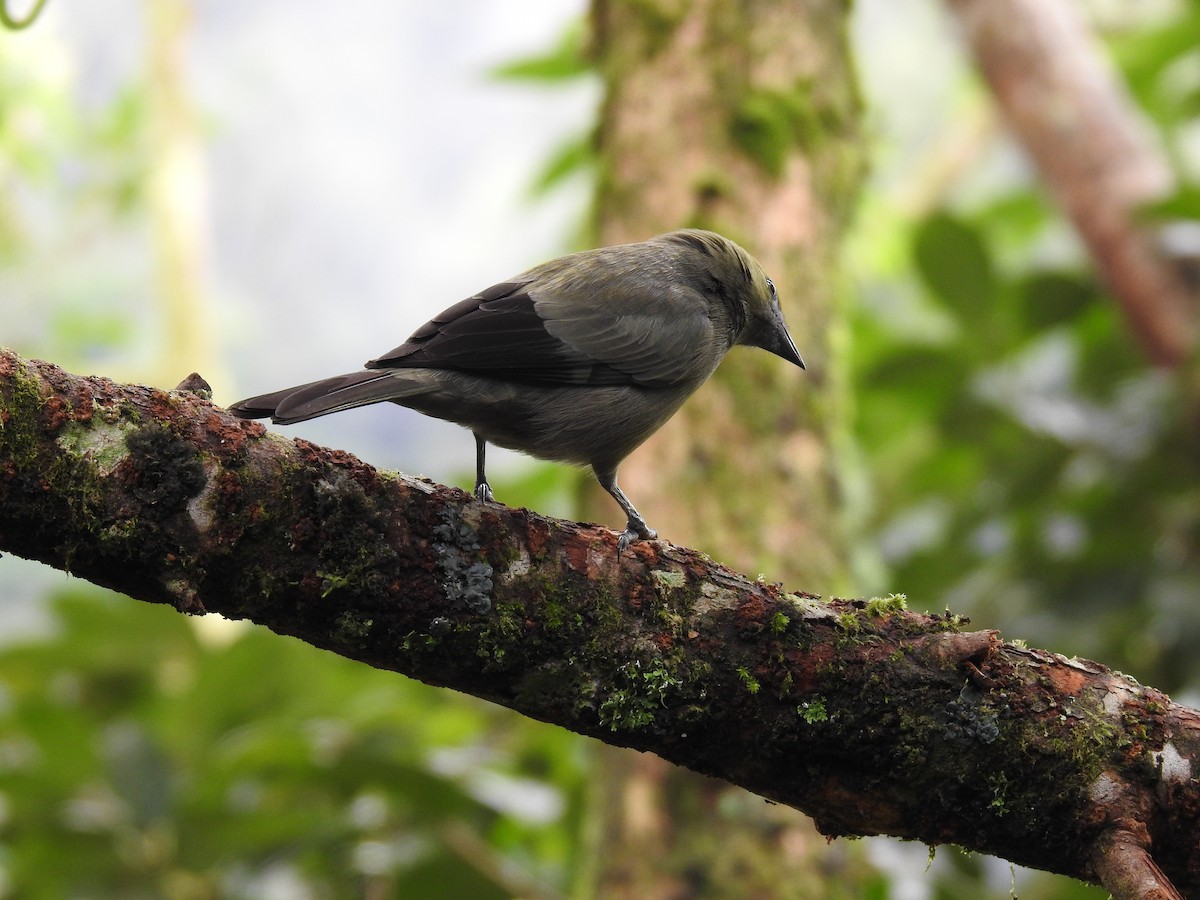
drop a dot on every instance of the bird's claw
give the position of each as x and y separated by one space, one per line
483 491
635 532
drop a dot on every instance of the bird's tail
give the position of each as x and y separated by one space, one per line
319 398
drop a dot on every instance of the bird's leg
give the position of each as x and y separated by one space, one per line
483 490
636 528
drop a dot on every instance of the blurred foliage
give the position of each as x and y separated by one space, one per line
72 187
1025 466
16 23
565 63
1029 468
142 754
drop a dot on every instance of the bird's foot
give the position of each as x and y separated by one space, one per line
483 491
635 531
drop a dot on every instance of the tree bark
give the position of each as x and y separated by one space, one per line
742 118
870 718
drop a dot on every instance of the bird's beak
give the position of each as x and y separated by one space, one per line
774 338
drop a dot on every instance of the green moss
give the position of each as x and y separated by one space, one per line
505 631
351 629
642 692
886 606
19 413
768 125
350 534
331 583
670 579
71 478
103 443
558 616
585 622
998 785
813 711
749 681
625 711
673 601
416 641
164 472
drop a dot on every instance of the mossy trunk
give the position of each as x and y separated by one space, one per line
742 117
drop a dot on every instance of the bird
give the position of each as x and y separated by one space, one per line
577 360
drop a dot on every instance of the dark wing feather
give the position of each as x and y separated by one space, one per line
499 333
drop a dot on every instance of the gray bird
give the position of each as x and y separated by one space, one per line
578 360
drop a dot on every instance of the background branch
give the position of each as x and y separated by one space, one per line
1081 131
12 23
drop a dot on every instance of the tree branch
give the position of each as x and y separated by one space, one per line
12 23
869 718
1124 864
1083 134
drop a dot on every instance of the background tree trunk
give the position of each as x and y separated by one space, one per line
177 199
742 118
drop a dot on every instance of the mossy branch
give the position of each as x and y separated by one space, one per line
870 718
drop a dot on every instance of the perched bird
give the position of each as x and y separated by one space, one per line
579 359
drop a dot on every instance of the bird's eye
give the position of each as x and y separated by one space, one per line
771 285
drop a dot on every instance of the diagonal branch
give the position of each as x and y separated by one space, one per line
1124 865
1083 134
870 718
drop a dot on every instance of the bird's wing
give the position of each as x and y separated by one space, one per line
646 324
561 333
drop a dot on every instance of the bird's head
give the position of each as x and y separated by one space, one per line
741 284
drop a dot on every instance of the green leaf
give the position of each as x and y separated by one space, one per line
567 60
1183 204
920 380
1146 53
1053 298
956 266
572 156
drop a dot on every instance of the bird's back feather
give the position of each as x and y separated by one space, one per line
617 316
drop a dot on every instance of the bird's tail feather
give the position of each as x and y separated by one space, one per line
319 398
